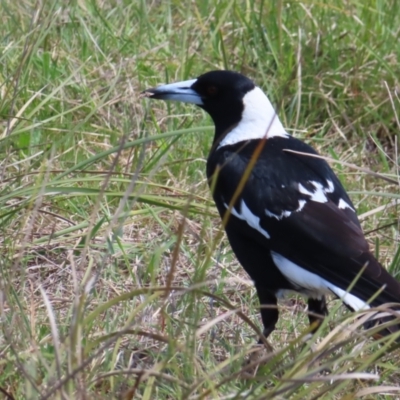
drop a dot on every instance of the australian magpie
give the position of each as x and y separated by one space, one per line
289 220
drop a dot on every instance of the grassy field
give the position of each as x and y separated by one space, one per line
116 278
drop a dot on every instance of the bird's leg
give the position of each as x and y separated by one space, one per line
316 312
268 309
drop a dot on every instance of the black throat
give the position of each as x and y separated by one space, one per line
227 118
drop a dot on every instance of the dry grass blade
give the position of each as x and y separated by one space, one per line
116 276
392 203
346 164
206 327
389 390
54 331
143 374
20 112
333 378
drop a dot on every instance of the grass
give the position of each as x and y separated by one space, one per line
116 279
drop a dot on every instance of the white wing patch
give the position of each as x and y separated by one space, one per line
259 120
278 217
343 204
318 195
285 214
313 285
302 203
331 187
251 219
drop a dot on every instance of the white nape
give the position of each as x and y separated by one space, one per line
259 120
313 285
247 216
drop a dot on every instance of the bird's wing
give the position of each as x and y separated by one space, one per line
305 215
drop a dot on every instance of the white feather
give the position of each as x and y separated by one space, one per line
251 219
302 203
331 187
283 214
343 204
313 285
354 302
318 195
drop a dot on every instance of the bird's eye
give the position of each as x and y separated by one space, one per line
212 90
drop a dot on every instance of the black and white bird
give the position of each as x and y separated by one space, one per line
289 220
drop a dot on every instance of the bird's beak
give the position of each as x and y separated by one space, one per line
179 91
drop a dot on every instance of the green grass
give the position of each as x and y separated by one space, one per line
116 278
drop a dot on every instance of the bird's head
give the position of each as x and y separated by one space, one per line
229 98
